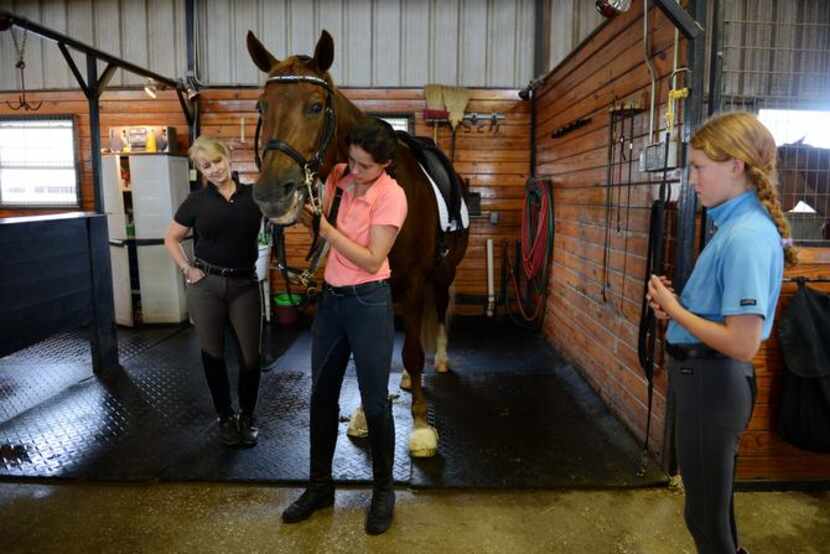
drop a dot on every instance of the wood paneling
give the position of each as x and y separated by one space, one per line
496 163
601 335
118 107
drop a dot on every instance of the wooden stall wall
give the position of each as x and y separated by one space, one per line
764 455
118 107
600 334
495 161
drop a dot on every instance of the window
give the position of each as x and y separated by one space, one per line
803 139
808 127
398 122
38 165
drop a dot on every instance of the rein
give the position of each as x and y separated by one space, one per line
310 167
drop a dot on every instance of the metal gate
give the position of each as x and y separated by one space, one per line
772 57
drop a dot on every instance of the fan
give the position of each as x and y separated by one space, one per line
610 8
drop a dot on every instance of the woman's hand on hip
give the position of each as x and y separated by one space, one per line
193 275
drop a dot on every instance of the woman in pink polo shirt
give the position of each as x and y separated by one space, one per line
354 316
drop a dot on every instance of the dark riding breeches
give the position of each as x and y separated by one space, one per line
714 399
212 302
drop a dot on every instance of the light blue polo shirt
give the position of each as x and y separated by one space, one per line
739 271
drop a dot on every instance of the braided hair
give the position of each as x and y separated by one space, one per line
741 136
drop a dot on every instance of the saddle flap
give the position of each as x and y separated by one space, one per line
439 168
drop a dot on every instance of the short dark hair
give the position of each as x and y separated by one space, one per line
376 137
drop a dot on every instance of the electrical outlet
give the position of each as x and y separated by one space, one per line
653 158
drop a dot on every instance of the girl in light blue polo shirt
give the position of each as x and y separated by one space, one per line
724 312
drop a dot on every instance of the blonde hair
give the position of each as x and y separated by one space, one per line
740 136
209 147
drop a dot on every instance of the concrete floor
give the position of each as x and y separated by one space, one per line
206 517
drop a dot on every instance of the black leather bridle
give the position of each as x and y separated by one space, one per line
310 166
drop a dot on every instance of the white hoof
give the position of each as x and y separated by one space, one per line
423 442
406 380
357 424
442 366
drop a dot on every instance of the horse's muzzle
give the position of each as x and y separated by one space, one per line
285 211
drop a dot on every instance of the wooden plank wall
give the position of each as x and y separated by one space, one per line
496 163
118 107
600 336
763 454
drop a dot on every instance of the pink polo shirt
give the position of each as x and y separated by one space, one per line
383 204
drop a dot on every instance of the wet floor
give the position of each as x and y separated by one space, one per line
221 518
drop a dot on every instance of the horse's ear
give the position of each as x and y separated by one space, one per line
261 56
324 52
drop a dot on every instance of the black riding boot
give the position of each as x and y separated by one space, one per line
216 375
249 378
320 491
382 442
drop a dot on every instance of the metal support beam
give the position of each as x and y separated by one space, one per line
95 129
105 78
687 25
7 19
687 203
72 66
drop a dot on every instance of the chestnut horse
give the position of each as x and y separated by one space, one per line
305 123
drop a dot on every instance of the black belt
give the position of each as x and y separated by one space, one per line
211 269
351 290
697 351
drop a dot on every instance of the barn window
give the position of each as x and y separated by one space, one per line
803 139
38 162
808 127
398 122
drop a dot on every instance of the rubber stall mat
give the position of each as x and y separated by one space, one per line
34 374
526 431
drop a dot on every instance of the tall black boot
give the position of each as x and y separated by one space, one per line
320 491
249 378
216 375
382 442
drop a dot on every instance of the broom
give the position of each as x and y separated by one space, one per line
455 99
435 107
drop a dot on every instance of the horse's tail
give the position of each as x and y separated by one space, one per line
429 321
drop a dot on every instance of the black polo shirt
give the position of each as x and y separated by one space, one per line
225 231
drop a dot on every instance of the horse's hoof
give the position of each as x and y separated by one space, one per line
442 366
423 442
406 381
357 424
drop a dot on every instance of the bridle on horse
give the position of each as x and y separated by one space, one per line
311 168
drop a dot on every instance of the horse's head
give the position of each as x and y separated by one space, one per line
296 126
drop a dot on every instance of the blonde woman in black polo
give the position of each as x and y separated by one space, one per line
221 282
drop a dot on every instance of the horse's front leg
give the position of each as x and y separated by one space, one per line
423 439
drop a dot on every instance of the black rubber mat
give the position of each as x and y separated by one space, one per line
510 414
32 375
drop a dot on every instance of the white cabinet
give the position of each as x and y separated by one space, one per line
141 194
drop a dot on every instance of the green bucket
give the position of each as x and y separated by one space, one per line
285 300
285 308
